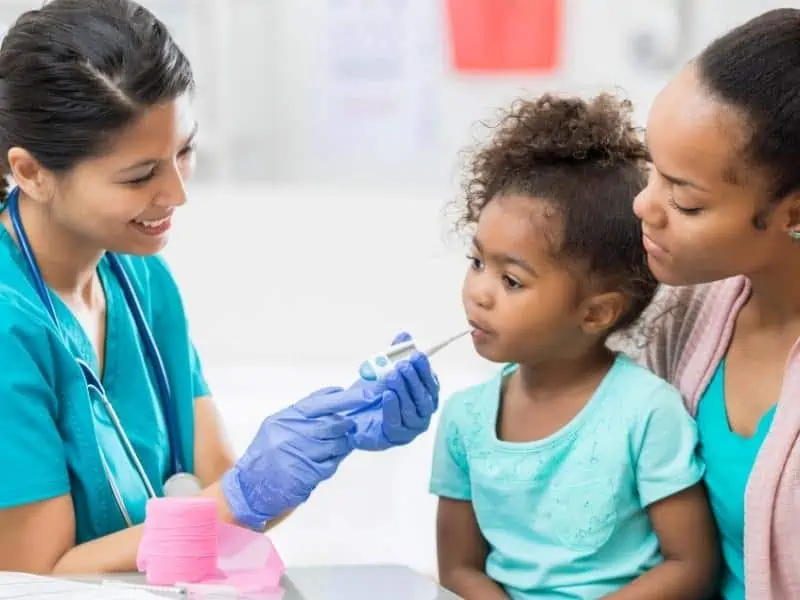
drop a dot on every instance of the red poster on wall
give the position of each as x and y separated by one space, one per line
504 35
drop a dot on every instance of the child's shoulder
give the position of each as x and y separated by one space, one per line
639 391
638 378
484 395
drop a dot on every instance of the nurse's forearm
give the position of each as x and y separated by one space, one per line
116 553
224 510
214 457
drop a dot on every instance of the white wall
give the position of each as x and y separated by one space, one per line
264 71
265 80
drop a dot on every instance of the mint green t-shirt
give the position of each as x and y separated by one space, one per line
48 444
729 458
565 516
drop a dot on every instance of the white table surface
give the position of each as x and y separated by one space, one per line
357 582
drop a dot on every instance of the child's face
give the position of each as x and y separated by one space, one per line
524 306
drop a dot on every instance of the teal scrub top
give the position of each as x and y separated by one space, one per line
729 458
48 444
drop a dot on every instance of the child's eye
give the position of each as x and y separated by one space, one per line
187 151
475 262
511 283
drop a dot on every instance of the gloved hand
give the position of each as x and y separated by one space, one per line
293 452
400 416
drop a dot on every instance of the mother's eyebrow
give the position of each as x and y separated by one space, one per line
681 182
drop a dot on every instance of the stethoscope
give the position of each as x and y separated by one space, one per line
181 483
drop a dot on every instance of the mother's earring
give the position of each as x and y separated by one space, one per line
795 234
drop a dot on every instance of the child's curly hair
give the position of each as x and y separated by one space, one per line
587 160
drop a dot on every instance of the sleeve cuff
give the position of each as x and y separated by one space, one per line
441 489
33 492
656 493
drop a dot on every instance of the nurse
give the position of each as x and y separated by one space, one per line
97 131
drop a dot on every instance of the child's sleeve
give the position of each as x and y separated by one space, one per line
450 472
665 446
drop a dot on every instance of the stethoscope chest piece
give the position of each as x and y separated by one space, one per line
182 485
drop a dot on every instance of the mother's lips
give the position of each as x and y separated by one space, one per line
653 247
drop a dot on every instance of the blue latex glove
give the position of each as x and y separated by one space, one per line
403 414
293 452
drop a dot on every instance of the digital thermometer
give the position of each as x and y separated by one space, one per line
379 365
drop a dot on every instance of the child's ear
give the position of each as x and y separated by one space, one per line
791 214
599 312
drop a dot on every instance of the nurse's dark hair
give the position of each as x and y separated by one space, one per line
587 160
75 73
755 68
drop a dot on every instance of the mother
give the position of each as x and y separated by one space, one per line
721 223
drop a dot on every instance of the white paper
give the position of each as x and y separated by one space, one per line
34 587
377 88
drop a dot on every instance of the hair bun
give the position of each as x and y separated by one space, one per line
552 129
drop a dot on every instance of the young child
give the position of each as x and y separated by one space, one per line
572 473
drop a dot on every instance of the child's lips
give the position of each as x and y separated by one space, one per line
479 331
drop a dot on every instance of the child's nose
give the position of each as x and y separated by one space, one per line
479 292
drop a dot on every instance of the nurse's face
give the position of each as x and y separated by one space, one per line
706 211
124 200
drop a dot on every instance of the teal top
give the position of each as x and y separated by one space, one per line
565 516
729 458
49 446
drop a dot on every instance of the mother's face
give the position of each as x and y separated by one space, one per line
702 198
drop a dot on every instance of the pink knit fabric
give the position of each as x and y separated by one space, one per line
685 346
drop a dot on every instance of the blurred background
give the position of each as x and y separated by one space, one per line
317 228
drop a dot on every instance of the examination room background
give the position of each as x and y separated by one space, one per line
317 225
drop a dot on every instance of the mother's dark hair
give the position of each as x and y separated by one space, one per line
75 73
755 68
